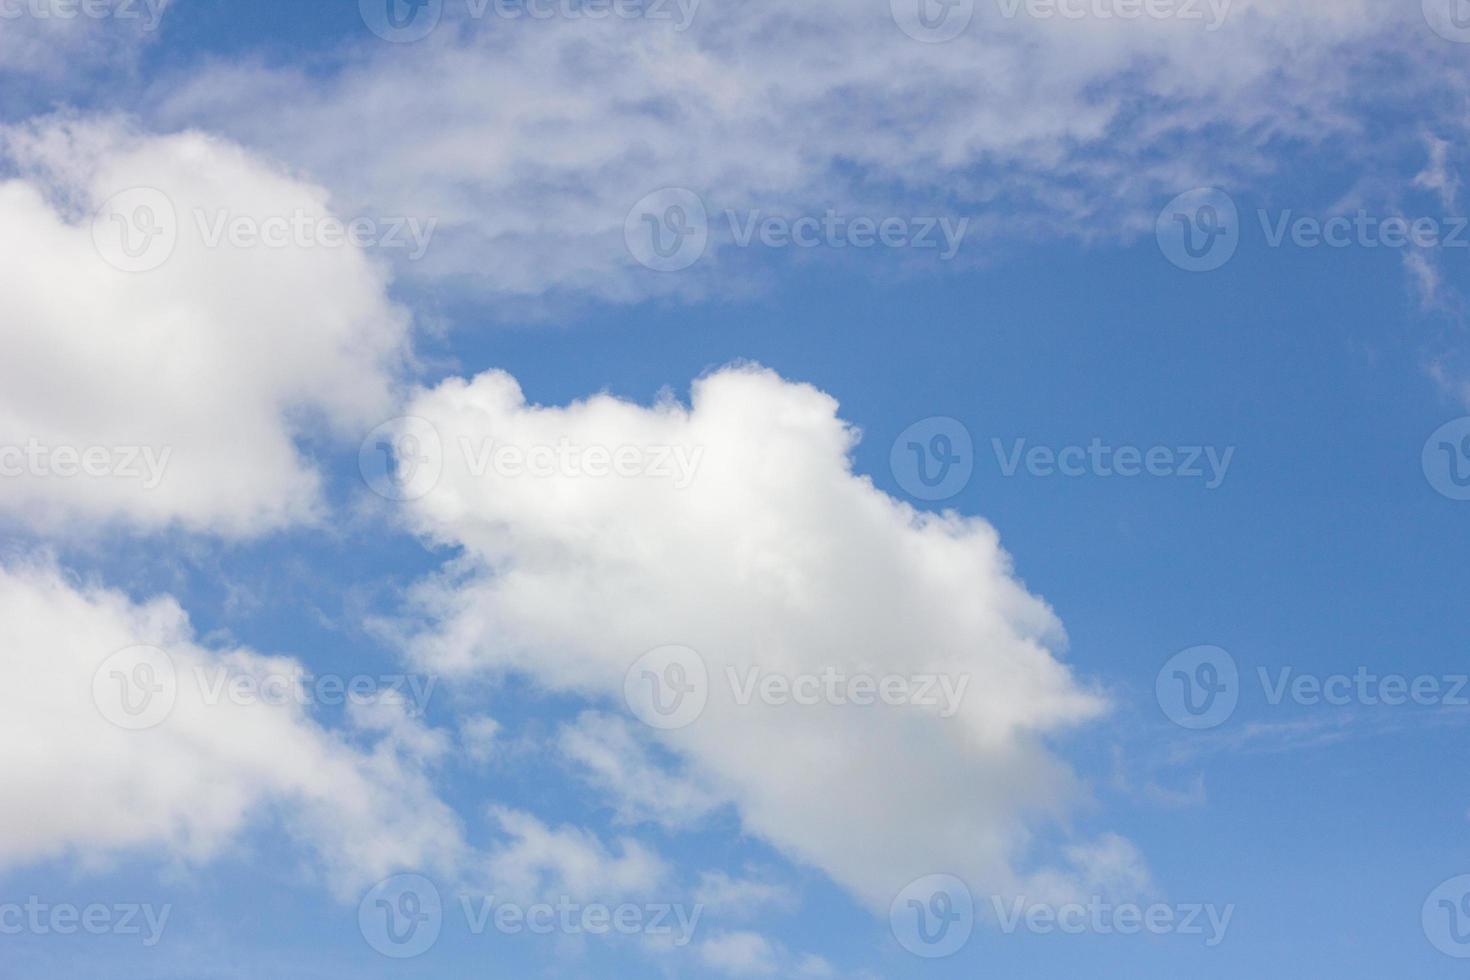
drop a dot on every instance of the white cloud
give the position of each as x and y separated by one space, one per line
776 556
534 861
79 784
479 737
607 750
811 965
194 378
55 39
728 897
739 954
1025 125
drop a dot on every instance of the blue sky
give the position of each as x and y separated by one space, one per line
1329 544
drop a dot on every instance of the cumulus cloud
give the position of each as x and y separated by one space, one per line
1024 124
739 954
160 362
732 897
745 953
53 39
534 860
775 558
608 751
97 767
